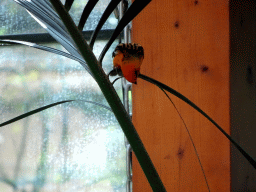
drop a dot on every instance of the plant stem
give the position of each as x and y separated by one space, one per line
112 98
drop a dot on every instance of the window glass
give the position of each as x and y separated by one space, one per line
75 146
14 19
72 147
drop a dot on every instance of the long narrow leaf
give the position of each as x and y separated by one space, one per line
47 107
190 137
48 49
136 7
44 14
182 97
113 100
87 11
32 112
110 8
68 4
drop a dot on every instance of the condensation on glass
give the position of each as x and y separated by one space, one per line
15 19
76 146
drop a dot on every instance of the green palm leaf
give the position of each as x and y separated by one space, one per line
110 8
64 31
87 10
48 49
67 34
68 4
182 97
47 107
131 13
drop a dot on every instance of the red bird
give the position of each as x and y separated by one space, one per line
127 60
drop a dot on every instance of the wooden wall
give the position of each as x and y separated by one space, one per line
186 46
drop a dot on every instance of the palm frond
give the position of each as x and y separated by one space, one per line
48 49
68 4
76 45
190 137
43 12
182 97
113 99
110 8
131 13
32 112
25 115
87 11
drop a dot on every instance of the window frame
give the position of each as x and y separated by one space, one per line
47 38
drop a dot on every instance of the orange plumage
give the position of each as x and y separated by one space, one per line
128 57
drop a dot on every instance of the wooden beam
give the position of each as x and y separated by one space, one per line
186 47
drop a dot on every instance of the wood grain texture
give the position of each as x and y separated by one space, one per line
186 45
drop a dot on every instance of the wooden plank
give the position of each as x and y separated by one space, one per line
186 47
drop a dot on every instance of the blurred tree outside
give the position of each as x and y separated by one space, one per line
72 147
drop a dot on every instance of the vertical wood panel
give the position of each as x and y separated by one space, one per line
186 46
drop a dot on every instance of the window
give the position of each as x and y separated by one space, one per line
76 146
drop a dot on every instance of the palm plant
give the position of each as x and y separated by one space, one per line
54 17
